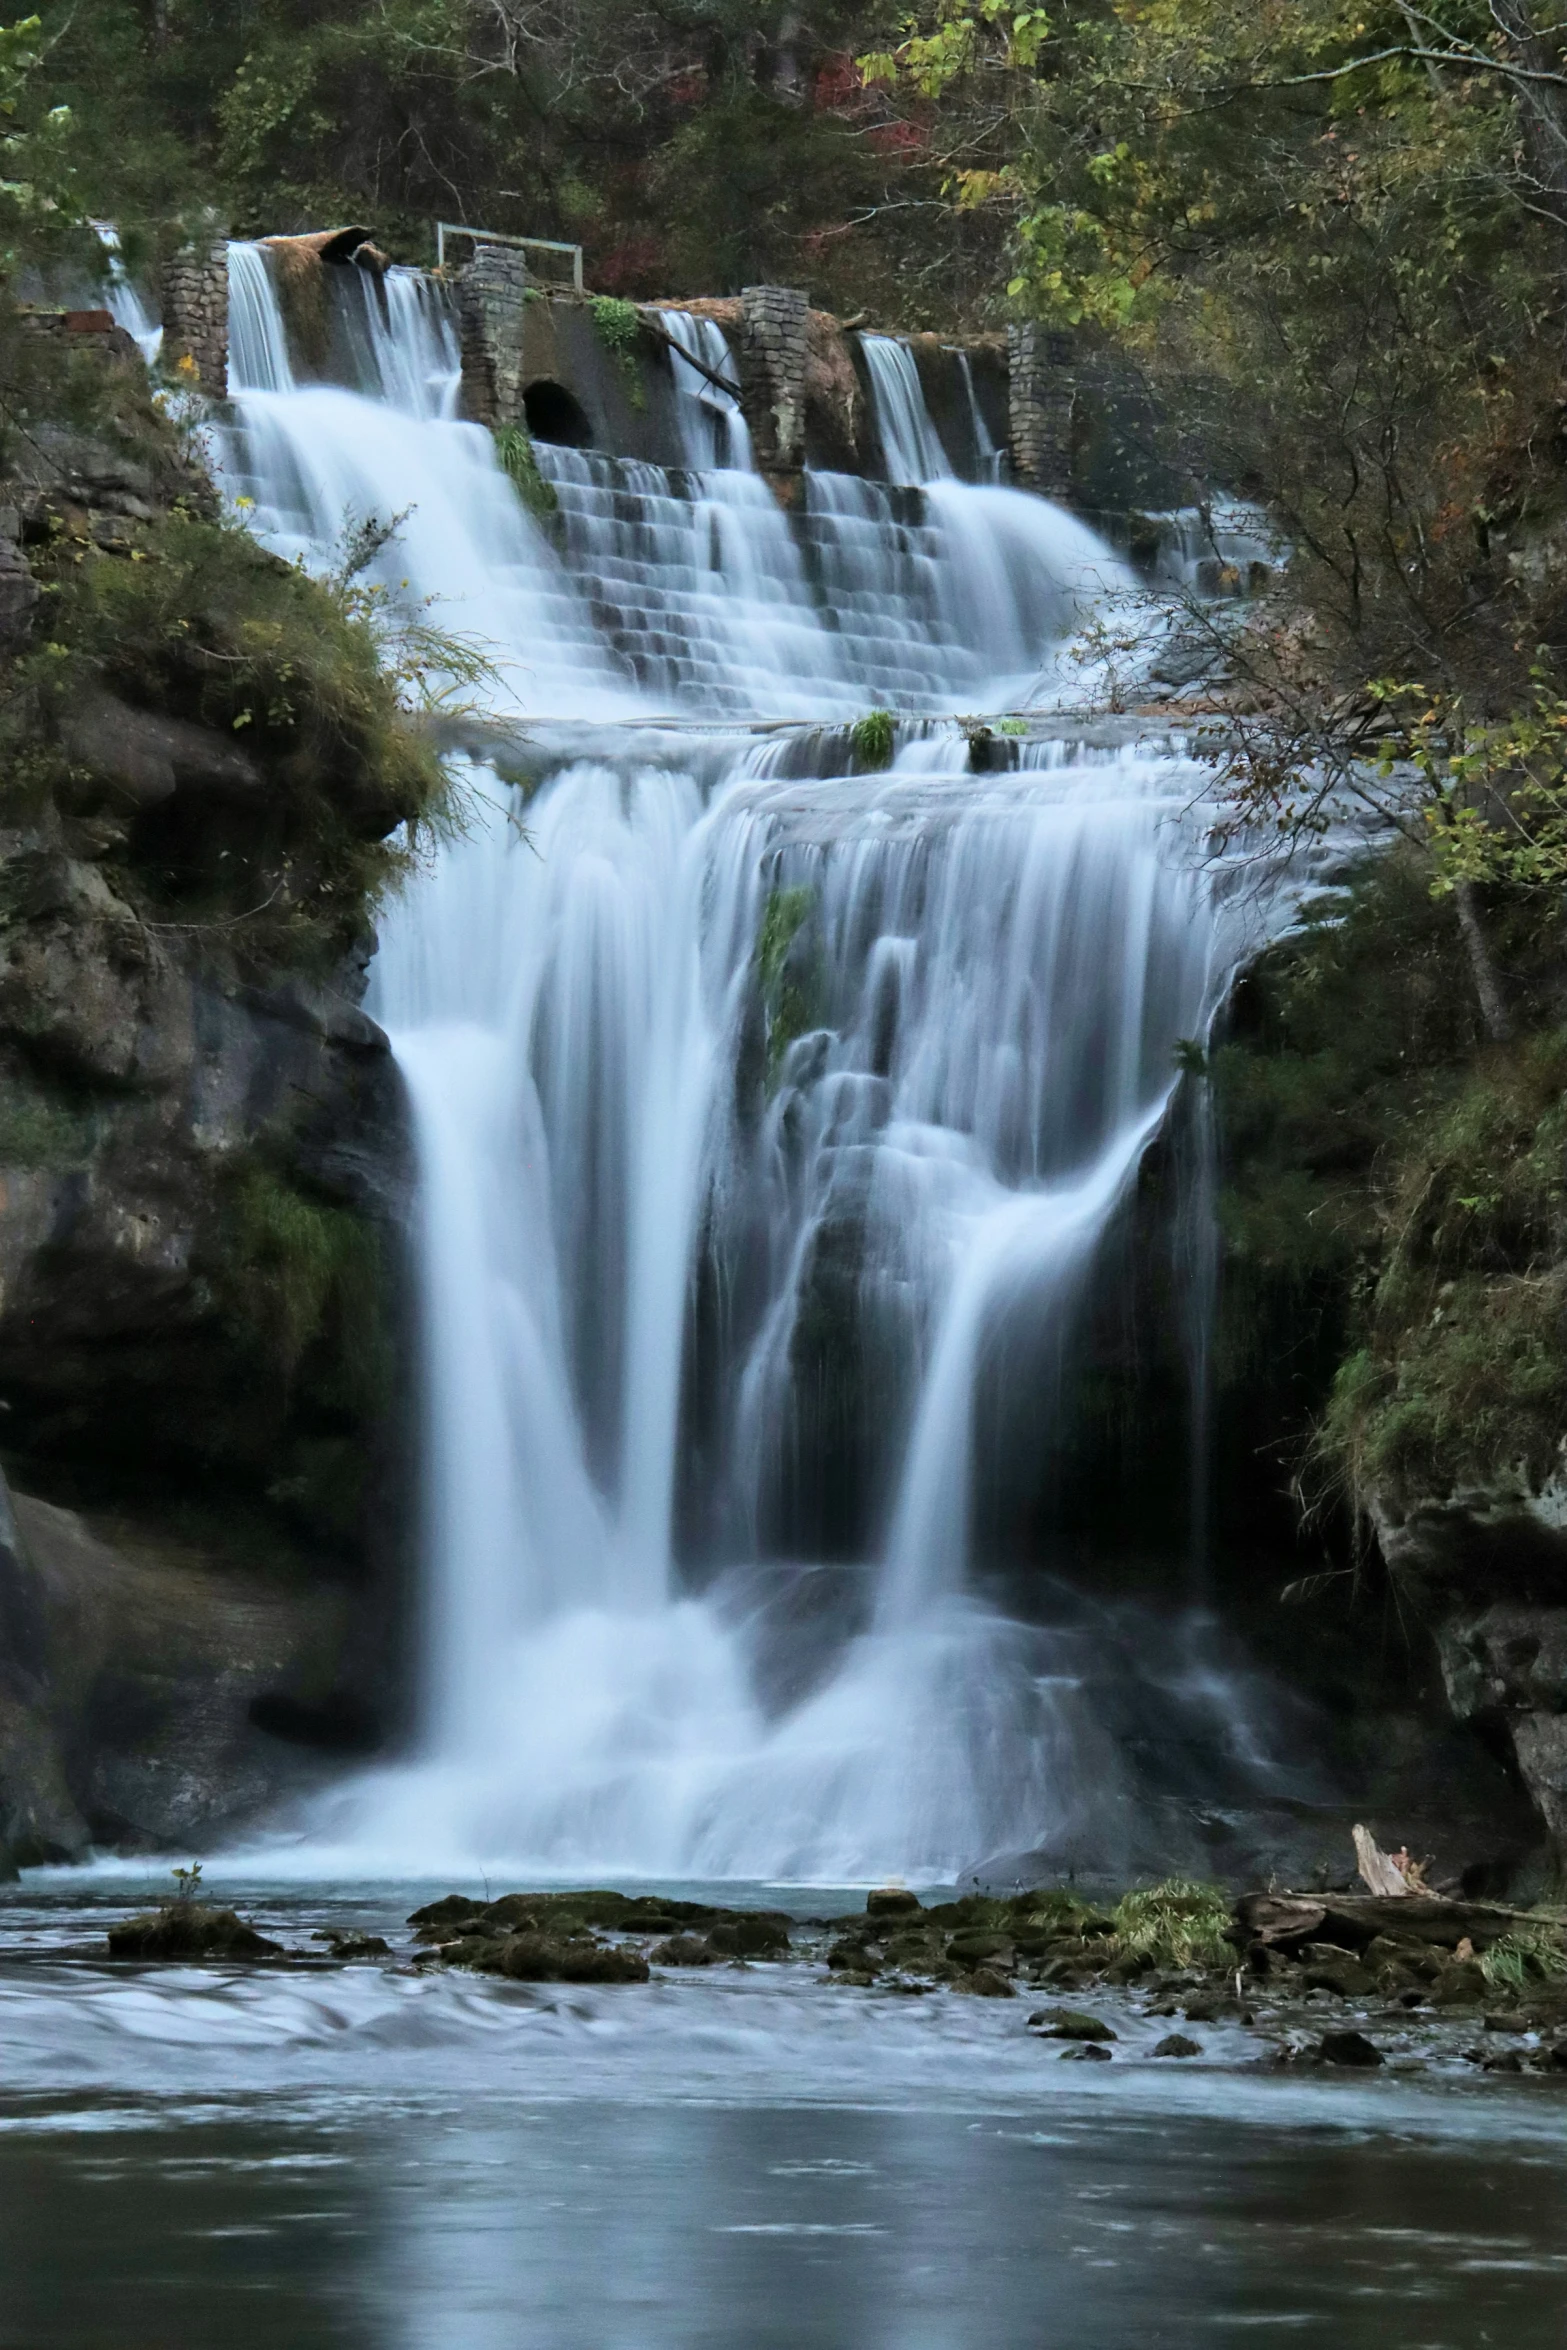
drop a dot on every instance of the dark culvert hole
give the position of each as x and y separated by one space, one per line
554 414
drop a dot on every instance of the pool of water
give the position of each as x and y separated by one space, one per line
370 2158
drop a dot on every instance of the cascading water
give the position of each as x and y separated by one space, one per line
910 445
987 456
713 430
126 306
759 1100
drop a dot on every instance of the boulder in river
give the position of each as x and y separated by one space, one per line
1177 2044
542 1958
982 1982
685 1950
891 1901
187 1929
1068 2023
1349 2048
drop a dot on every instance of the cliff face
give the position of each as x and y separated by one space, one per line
1394 1320
203 1163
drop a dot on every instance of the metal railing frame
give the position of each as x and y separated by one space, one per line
494 236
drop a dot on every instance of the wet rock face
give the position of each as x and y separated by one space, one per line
1507 1668
560 1937
130 1682
204 1179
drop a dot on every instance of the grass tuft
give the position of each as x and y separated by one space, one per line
873 738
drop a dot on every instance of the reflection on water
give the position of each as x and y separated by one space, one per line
363 2157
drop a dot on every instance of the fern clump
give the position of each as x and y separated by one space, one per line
519 461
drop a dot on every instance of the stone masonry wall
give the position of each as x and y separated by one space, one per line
491 297
1041 398
196 313
772 371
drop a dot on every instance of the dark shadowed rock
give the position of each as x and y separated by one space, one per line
1068 2023
685 1950
537 1958
1348 2048
890 1901
450 1910
142 759
343 1942
982 1982
129 1673
1177 2044
759 1934
1338 1971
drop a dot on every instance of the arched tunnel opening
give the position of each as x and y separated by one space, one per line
556 415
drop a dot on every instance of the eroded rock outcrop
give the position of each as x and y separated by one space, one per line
132 1674
203 1159
1508 1667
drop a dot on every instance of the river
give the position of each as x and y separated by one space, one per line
748 2158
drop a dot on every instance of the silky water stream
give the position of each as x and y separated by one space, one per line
772 1108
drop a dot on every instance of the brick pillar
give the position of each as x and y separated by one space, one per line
491 294
1041 397
772 372
196 313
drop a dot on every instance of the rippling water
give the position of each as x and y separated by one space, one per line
746 2159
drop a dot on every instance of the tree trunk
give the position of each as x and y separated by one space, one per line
1541 102
1488 986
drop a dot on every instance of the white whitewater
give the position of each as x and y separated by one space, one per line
732 1071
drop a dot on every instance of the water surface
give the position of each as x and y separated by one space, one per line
366 2158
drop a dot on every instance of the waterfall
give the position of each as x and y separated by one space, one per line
987 457
713 431
910 446
125 303
766 1108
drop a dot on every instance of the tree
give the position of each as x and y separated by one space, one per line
1331 234
39 202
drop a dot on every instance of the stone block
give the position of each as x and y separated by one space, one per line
1042 397
492 297
773 353
195 301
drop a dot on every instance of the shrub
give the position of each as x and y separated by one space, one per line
204 625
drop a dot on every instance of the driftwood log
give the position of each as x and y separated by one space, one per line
1352 1921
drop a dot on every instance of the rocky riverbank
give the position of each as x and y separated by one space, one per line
203 1156
1173 1972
